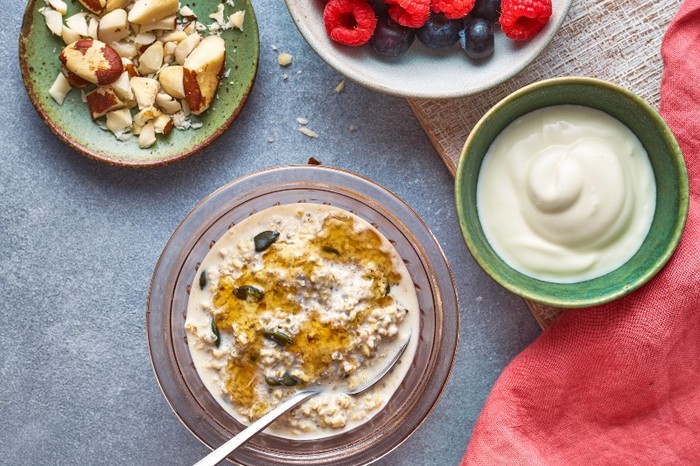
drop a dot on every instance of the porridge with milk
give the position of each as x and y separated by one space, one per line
295 296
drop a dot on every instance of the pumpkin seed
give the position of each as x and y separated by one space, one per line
250 293
278 337
287 380
265 239
215 331
203 279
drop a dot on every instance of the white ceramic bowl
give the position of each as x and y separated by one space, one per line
421 72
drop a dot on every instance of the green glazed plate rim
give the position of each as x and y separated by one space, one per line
114 152
558 299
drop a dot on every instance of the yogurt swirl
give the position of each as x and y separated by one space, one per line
566 194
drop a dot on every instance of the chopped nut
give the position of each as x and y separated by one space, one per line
59 5
163 124
171 79
95 6
119 120
185 47
54 20
151 59
146 115
78 23
308 132
145 91
113 26
122 87
92 60
69 36
201 73
150 11
218 15
167 104
60 89
284 59
93 26
102 100
165 24
186 12
236 20
147 135
302 121
115 4
340 87
173 36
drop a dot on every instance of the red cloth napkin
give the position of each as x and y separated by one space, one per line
617 384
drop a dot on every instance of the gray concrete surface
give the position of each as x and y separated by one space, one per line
79 240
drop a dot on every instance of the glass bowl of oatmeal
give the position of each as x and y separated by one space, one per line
302 276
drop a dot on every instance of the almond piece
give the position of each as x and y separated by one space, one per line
113 26
147 135
171 81
60 89
152 59
202 73
145 91
102 100
95 6
92 60
115 4
186 46
119 120
150 11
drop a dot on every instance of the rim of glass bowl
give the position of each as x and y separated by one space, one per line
174 273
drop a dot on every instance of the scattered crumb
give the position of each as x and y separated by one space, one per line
353 128
313 161
230 2
285 76
298 71
308 132
479 299
340 87
270 140
302 121
274 47
284 59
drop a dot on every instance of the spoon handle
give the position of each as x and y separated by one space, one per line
239 439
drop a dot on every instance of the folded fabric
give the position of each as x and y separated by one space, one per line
619 383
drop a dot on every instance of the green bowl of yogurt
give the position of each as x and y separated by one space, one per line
571 192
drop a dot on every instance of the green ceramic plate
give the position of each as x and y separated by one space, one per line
38 55
669 172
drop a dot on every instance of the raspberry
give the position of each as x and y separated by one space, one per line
523 19
350 22
409 13
452 9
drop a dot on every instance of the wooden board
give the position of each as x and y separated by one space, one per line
615 40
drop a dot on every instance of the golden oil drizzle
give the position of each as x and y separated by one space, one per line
339 241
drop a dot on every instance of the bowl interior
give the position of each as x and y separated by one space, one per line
169 293
422 72
669 173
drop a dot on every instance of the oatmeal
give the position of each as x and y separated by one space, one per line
295 296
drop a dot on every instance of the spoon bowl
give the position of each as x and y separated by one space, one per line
292 402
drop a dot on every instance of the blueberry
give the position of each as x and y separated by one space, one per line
487 9
380 8
476 39
391 39
439 32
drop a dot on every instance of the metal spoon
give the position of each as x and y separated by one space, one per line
298 398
